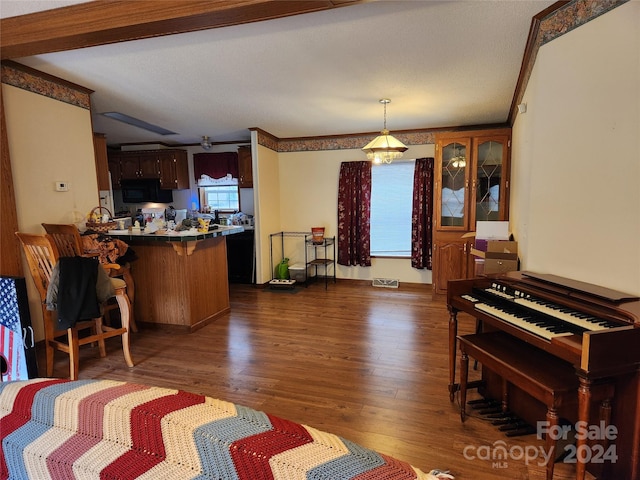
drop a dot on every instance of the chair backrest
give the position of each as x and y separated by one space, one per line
42 255
66 238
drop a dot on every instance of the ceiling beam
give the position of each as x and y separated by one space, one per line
102 22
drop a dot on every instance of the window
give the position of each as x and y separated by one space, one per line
221 197
391 209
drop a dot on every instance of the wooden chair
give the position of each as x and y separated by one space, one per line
69 243
42 255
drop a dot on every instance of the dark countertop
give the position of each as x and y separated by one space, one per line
184 236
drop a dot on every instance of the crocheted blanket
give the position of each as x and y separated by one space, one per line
63 429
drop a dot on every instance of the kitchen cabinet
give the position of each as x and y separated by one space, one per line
245 168
174 170
114 170
102 165
139 165
471 183
169 166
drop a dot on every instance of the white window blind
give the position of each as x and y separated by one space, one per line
391 206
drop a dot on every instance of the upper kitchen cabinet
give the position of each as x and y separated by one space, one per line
169 166
245 169
174 170
114 170
136 165
100 155
471 184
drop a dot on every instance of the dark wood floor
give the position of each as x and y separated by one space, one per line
368 364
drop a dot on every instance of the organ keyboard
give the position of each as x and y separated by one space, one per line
533 313
595 329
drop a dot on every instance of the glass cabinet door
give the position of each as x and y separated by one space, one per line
454 185
488 185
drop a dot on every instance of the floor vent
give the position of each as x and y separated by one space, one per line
386 282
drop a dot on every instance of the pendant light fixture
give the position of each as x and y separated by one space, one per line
384 148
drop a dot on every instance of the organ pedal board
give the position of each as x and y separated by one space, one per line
507 422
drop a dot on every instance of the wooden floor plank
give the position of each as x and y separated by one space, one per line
368 364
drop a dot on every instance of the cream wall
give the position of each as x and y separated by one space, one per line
48 141
308 198
266 187
576 170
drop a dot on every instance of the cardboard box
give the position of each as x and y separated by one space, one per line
497 265
478 264
504 249
503 246
500 256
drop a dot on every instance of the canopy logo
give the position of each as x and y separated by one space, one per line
499 453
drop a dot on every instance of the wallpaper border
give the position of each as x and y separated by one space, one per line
34 81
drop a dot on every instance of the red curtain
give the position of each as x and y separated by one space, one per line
215 165
354 213
422 215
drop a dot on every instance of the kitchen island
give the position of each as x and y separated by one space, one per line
181 277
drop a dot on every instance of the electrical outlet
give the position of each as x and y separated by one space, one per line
62 187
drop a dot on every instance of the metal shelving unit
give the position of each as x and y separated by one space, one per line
326 261
278 240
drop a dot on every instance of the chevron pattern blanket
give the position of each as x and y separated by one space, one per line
90 429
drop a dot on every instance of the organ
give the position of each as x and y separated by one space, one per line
592 328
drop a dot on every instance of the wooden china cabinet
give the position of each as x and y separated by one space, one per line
471 183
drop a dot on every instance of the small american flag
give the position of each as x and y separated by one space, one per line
11 339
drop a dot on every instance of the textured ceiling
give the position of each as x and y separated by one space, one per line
442 63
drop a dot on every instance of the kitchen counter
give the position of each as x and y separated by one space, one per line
173 236
181 278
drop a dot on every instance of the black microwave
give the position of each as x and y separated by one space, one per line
144 190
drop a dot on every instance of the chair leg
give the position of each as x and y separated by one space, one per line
125 309
101 344
49 358
131 292
74 353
